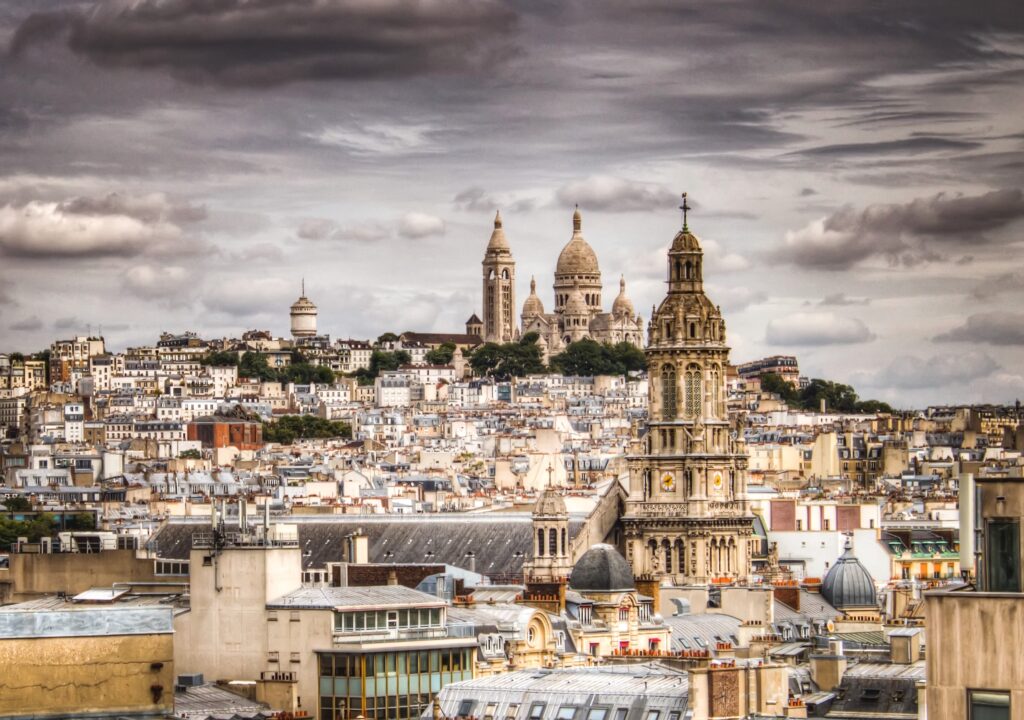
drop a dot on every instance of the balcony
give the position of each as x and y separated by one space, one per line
385 634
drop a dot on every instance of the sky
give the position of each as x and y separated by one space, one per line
855 170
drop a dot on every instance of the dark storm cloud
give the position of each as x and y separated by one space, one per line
27 325
998 285
991 328
922 230
270 42
841 300
907 146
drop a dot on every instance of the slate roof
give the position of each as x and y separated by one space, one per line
494 539
689 631
355 598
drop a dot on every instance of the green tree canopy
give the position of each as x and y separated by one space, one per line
588 358
514 359
220 358
293 427
837 396
441 355
387 337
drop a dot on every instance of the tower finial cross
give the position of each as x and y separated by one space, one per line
551 471
685 208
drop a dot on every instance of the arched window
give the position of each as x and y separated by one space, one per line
552 542
565 545
540 543
668 392
677 275
689 270
693 390
716 389
504 274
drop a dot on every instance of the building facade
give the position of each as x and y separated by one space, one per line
687 514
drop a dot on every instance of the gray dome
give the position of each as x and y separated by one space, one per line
848 584
602 569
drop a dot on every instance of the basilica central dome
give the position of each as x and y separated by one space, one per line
577 257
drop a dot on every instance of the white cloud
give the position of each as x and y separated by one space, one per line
160 282
909 372
253 296
719 259
420 225
378 138
604 192
814 329
83 227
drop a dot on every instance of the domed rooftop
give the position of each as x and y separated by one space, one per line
575 304
577 258
602 569
848 584
533 306
622 305
498 243
685 241
550 504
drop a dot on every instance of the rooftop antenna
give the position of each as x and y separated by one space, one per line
303 287
685 208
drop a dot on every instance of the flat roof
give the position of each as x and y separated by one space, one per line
372 597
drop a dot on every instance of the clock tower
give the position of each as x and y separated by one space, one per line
687 515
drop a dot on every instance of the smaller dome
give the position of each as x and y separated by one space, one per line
533 306
602 569
550 504
498 243
685 241
622 305
848 584
575 304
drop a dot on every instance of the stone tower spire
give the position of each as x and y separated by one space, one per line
693 470
499 287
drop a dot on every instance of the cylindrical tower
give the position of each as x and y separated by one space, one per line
303 316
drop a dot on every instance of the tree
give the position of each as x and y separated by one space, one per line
587 358
630 357
80 522
388 337
18 503
441 355
382 360
290 428
514 359
837 396
17 357
254 365
220 358
192 454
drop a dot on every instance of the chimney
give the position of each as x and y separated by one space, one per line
392 577
905 646
827 670
358 548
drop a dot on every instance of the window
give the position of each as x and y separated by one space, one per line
566 712
652 715
1002 556
668 393
693 390
597 713
513 710
466 708
620 713
988 705
489 711
537 710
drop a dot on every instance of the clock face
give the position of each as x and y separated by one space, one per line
668 482
716 479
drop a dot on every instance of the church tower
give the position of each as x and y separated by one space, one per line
687 515
499 288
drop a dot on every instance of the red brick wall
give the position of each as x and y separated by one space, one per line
783 515
848 517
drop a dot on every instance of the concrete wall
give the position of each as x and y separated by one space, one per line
224 633
63 677
973 643
295 635
31 576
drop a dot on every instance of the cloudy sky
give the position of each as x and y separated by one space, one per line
856 169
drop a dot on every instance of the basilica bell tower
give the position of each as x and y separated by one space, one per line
687 515
499 294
